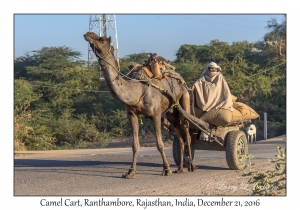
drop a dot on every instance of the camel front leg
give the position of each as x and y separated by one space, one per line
133 118
160 145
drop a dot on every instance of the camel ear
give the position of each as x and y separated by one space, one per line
109 39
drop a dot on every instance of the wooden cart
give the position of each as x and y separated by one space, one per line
229 138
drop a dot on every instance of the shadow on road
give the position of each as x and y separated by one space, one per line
72 163
24 163
212 168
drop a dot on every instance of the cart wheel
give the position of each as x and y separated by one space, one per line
236 149
177 153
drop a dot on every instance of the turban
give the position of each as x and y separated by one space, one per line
213 65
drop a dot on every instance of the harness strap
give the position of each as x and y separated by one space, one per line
107 52
176 103
159 88
141 120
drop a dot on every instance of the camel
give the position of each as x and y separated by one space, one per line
147 98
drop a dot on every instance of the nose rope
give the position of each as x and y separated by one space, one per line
119 72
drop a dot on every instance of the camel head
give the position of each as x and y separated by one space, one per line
100 45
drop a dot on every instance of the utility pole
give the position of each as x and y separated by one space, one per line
265 126
104 25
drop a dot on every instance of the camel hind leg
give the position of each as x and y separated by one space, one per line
185 128
185 102
182 148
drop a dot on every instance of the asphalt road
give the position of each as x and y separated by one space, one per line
97 172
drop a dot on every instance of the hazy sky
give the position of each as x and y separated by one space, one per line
159 33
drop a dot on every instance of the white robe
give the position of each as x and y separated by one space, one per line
212 92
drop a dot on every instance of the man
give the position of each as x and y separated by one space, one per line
211 92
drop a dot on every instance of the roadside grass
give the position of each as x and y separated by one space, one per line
271 182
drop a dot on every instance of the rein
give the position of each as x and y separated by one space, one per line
102 57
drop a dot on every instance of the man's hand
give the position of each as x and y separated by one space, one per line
192 88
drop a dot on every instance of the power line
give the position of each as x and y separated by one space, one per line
103 91
47 86
192 18
226 16
264 71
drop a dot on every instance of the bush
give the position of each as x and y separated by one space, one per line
119 123
73 132
27 136
269 182
37 130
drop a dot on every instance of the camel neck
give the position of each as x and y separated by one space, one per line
124 91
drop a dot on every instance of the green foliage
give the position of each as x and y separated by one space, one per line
27 134
190 72
120 123
187 54
130 59
63 96
271 182
71 131
137 57
23 92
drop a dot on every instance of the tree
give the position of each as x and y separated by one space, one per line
187 54
276 38
63 96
